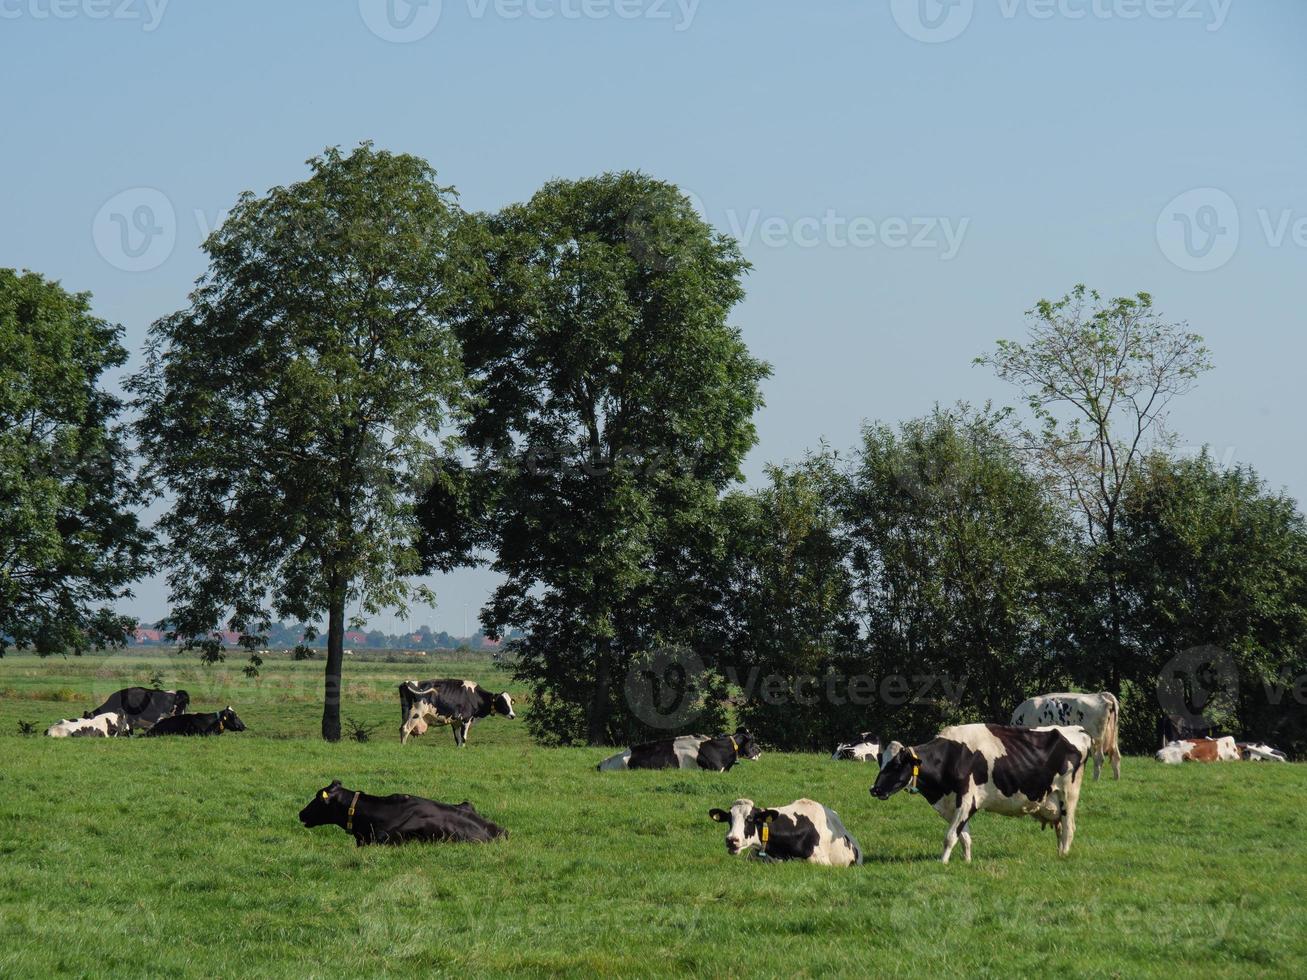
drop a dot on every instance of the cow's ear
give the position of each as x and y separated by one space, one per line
335 784
721 816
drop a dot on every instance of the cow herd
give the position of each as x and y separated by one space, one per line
146 711
1032 767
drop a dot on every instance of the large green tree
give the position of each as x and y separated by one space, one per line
962 567
1214 561
615 402
70 542
294 408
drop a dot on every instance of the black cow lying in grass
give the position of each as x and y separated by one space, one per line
397 819
687 752
211 723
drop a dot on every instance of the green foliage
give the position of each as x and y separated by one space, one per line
70 544
293 410
1212 557
614 402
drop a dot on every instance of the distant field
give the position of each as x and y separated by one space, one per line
184 857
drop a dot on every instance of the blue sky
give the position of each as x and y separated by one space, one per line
907 176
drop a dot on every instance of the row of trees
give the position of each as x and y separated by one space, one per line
370 384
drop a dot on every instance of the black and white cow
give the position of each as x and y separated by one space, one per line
210 723
143 706
448 702
1002 769
862 749
396 819
803 831
109 724
1098 714
687 752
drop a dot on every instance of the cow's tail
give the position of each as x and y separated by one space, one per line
1111 725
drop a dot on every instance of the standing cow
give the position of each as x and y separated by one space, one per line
143 706
1098 714
448 702
1002 769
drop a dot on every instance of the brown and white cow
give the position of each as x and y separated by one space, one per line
999 768
1098 714
805 830
1221 749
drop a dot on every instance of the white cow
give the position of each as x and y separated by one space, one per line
1098 714
106 725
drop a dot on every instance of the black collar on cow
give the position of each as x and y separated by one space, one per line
916 772
353 805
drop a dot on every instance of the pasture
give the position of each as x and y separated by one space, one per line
184 857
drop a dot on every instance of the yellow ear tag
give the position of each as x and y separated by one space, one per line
324 794
766 831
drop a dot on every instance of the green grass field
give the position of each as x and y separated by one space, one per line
135 857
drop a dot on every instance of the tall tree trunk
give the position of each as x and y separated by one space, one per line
335 659
597 720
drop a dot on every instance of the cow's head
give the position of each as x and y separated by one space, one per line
746 746
118 725
180 702
503 705
744 823
897 763
229 720
324 808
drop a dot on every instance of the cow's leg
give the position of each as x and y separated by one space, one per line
1066 831
954 828
1098 759
965 833
1115 756
460 732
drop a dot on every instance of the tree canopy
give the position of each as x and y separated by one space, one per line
70 541
295 408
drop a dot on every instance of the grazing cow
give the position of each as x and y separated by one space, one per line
865 746
1098 714
106 725
448 702
1002 769
212 723
1221 749
803 831
687 752
397 819
1259 752
143 706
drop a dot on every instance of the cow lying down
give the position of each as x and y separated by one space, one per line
864 748
687 752
397 819
107 725
206 723
1002 769
1223 749
803 831
1259 752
